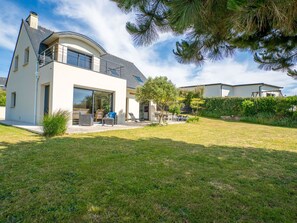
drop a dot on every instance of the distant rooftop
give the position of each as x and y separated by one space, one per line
2 81
236 85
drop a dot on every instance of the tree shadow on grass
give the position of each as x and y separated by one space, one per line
110 179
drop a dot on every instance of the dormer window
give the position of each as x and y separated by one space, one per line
138 79
26 56
79 59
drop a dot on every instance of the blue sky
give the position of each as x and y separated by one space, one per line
105 23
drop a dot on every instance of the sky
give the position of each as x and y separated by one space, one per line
104 22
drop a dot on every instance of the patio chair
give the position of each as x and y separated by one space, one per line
133 118
85 119
110 118
99 115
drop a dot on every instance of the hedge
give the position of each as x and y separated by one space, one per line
267 110
2 98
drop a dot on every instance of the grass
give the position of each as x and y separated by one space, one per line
213 171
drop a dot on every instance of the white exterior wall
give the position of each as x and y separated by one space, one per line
270 88
227 91
245 91
22 82
80 46
2 112
66 77
132 104
152 110
45 78
212 91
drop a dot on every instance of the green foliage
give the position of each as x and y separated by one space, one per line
265 27
175 108
217 107
248 108
2 97
159 90
271 119
196 104
267 110
193 119
55 124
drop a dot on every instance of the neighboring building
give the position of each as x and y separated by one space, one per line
69 71
241 90
2 83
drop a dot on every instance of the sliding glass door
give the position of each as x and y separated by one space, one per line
91 102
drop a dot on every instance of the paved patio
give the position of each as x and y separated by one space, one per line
76 129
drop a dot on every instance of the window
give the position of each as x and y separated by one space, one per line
114 72
13 99
270 95
26 56
78 59
16 63
138 79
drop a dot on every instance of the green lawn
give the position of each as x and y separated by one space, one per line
213 171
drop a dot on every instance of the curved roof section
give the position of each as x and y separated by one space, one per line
75 35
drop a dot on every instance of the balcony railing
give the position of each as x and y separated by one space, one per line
60 53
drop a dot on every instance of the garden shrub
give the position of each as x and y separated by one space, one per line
55 124
193 119
248 108
217 107
2 97
280 111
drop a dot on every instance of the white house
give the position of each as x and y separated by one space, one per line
70 71
2 83
241 90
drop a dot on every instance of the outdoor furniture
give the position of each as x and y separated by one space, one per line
133 118
85 119
110 118
182 118
99 115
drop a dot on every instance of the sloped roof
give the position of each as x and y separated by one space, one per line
236 85
74 34
37 36
128 72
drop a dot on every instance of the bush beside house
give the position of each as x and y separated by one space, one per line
280 111
55 124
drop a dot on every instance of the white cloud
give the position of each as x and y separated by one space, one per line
9 23
104 21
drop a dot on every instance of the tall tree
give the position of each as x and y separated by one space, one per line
214 28
159 90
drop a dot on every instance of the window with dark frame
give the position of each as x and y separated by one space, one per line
79 59
26 56
16 62
13 100
138 79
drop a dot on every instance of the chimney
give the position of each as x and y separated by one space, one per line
33 20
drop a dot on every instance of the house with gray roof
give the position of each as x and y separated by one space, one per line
2 82
239 90
51 70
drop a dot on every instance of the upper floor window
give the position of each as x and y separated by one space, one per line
13 100
26 55
79 59
16 62
138 79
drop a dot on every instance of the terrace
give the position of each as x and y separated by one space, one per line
63 54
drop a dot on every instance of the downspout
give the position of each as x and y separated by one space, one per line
260 91
36 91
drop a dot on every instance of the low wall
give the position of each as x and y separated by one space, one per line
2 113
